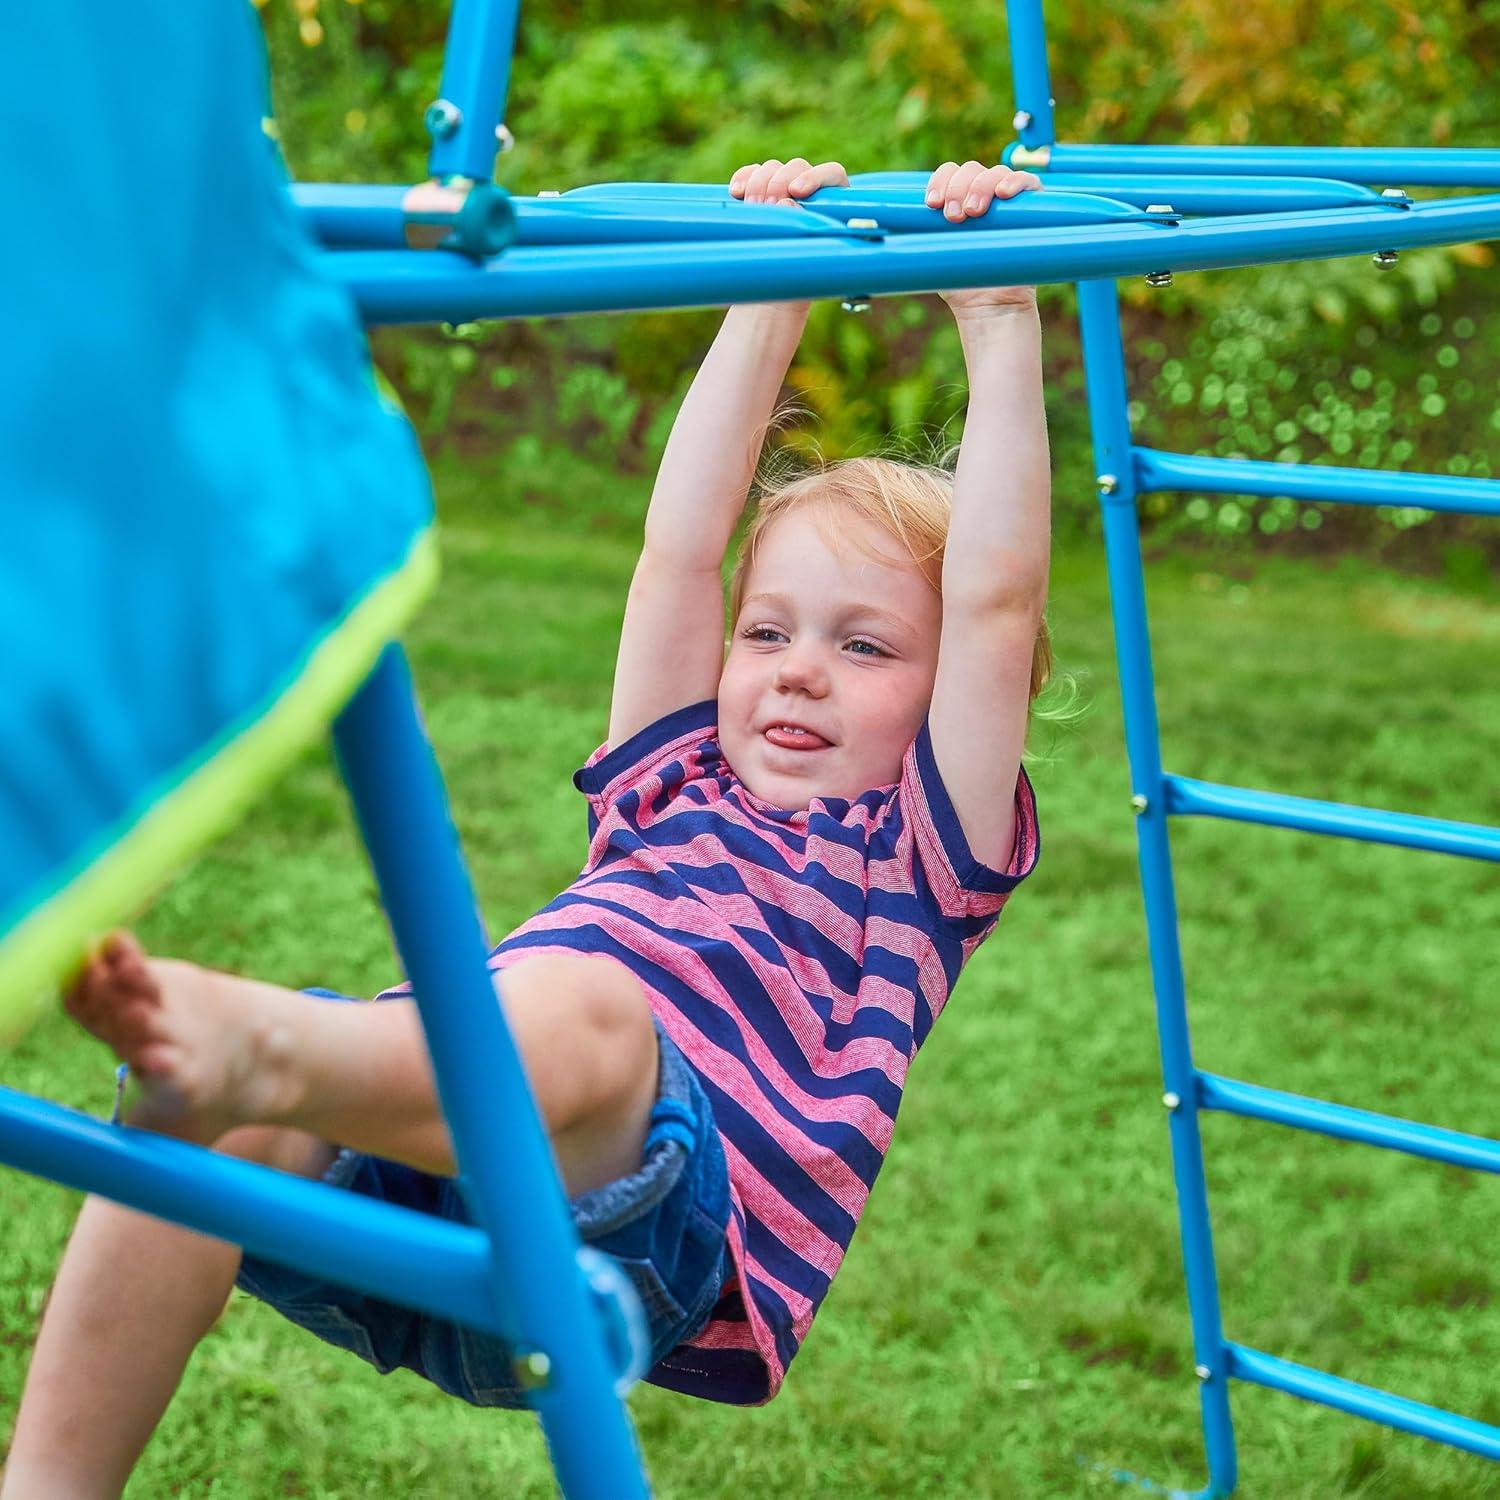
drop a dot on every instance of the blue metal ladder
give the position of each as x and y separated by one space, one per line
1125 472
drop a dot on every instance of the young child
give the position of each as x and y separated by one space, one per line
794 848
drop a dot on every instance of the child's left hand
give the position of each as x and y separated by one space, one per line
966 192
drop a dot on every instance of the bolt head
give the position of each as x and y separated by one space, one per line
504 139
533 1369
1171 1100
855 304
1158 278
549 193
1138 803
1021 119
864 223
1203 1372
1385 259
443 117
1107 483
1160 208
1396 195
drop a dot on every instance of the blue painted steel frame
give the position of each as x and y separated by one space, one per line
506 1164
1126 472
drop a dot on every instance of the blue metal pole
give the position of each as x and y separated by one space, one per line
1158 470
1104 366
1029 76
503 1154
392 286
1405 166
464 120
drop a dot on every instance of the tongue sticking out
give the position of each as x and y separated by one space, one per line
789 739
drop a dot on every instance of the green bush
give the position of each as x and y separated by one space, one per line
1327 362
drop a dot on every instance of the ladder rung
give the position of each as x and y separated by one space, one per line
1432 1141
1187 798
1363 1400
1158 470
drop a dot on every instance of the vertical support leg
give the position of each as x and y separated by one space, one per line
502 1151
476 77
1104 363
1030 76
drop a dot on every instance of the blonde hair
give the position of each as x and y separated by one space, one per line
911 503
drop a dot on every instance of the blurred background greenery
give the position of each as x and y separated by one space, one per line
1331 361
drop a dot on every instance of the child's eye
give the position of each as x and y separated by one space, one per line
759 632
869 646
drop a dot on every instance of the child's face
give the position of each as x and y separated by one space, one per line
843 646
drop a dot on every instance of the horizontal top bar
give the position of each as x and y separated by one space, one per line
1396 166
1224 194
395 286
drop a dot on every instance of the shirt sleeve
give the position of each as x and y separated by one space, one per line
610 772
961 885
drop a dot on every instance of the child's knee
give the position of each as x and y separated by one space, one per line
279 1146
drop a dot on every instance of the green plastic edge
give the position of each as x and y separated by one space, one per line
212 793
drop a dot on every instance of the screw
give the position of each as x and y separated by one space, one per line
856 304
1397 195
1021 119
1107 483
1203 1372
864 223
532 1369
506 140
1158 278
1385 259
1138 803
443 117
1171 1100
549 193
1160 208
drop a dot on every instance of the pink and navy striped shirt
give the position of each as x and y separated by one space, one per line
799 960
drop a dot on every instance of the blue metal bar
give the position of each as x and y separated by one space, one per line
1158 470
898 206
507 1166
1407 166
1187 798
404 286
1364 1401
476 77
1187 195
1433 1142
407 1257
1104 369
1218 195
1029 75
359 216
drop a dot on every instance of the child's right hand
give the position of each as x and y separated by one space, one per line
785 181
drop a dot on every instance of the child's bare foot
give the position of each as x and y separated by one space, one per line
209 1051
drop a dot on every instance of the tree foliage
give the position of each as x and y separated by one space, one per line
1332 360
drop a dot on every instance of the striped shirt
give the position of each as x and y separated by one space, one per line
799 960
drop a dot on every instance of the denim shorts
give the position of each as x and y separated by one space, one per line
663 1225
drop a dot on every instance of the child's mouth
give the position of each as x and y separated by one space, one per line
787 738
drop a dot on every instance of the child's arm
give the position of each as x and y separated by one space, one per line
999 540
672 640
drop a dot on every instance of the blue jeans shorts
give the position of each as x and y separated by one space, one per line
663 1225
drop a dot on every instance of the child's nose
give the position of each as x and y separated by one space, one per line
800 667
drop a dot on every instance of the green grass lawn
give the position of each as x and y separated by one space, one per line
1012 1310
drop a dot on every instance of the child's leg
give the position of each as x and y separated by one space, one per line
214 1052
132 1298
